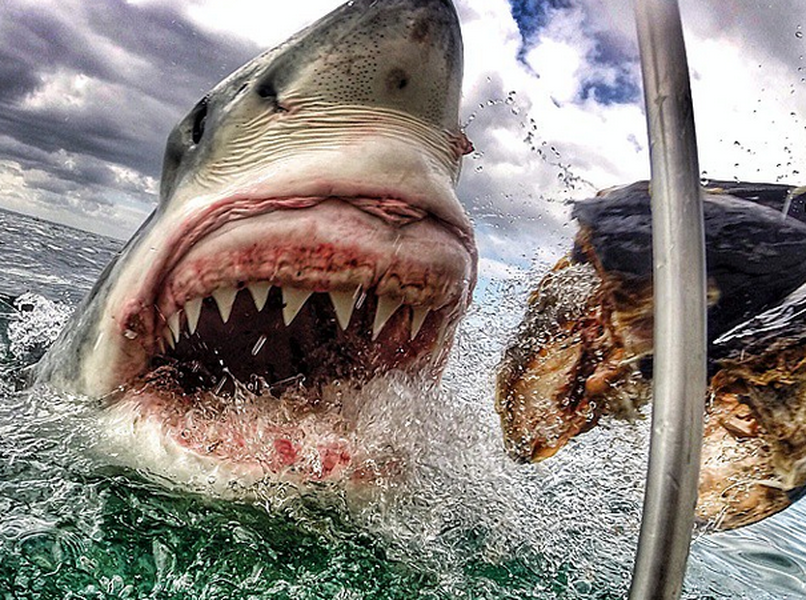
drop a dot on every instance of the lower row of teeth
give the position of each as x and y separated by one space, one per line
344 303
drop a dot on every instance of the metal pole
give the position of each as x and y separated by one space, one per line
680 323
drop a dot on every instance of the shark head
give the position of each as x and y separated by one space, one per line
308 236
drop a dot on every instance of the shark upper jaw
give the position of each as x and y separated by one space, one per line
375 279
372 228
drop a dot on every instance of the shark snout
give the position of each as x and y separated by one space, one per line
368 56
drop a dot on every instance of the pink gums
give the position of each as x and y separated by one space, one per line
137 315
307 443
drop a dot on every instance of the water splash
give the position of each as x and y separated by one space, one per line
460 520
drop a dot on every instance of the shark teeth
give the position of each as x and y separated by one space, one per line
293 301
260 293
192 312
418 316
343 304
387 306
173 325
225 298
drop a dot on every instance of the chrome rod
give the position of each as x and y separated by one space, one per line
679 294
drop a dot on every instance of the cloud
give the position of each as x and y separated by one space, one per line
40 193
571 73
543 133
90 93
748 82
263 23
552 101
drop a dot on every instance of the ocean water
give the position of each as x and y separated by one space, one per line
464 523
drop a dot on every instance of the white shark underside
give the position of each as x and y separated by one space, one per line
308 239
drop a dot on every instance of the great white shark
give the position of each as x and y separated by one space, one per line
308 239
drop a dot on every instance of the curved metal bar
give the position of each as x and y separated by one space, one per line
680 319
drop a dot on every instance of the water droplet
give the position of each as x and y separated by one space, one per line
220 386
259 345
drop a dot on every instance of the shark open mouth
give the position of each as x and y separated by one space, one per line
281 299
272 338
274 318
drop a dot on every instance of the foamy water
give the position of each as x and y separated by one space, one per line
457 519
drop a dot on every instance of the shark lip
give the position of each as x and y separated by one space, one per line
299 293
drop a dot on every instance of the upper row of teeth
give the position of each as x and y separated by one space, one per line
344 303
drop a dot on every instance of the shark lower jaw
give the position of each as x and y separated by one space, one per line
229 442
285 312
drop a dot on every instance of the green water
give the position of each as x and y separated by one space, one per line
152 545
459 525
118 536
464 522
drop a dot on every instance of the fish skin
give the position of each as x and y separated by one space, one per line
584 348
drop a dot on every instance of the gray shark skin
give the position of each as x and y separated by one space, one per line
308 232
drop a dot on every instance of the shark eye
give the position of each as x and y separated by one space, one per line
267 90
199 120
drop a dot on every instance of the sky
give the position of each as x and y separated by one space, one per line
552 101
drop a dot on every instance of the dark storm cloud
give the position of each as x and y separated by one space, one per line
17 77
59 174
32 38
191 60
145 67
